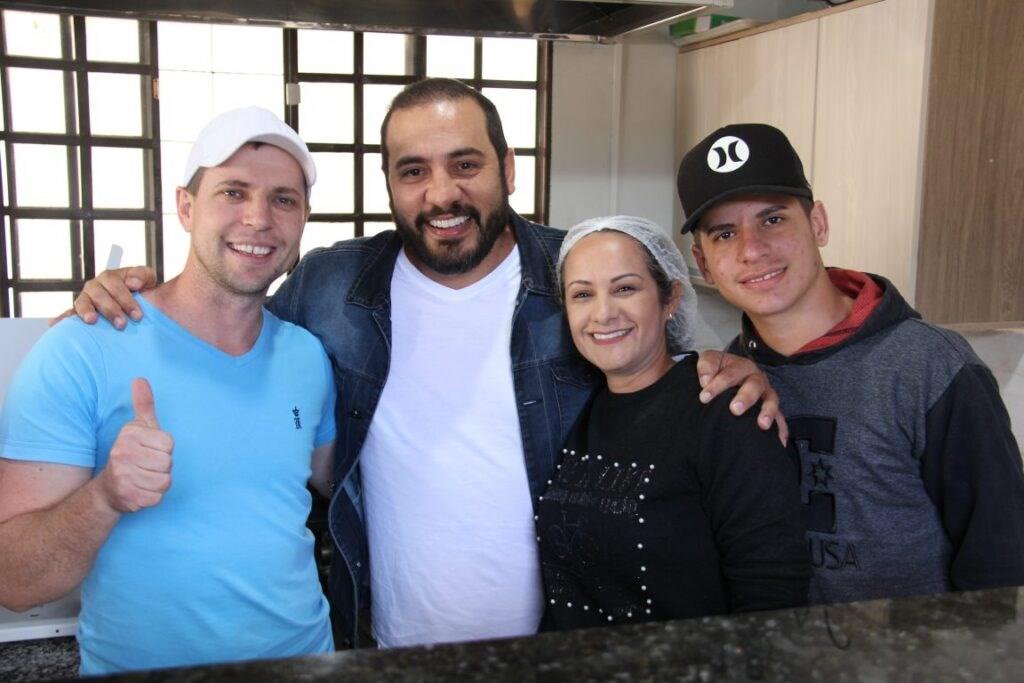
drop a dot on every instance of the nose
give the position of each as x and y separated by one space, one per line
604 309
753 244
257 213
442 191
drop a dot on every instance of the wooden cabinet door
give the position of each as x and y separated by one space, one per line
868 135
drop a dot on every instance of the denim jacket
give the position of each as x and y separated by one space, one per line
342 294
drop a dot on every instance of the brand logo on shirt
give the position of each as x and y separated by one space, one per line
296 418
728 154
816 440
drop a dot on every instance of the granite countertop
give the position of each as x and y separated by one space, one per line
962 636
39 660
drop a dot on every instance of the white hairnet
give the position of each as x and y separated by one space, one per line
679 329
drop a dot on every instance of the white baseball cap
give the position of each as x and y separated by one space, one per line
226 133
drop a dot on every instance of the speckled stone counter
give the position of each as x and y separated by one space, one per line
39 660
966 636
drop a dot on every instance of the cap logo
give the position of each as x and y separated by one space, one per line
727 154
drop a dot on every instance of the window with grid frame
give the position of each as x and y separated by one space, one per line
78 176
332 86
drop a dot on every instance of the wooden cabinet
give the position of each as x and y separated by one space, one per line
907 116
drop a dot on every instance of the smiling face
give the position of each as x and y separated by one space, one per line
616 312
448 189
761 251
245 219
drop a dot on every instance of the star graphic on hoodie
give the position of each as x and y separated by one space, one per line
820 473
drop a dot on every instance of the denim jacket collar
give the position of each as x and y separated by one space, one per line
372 286
538 257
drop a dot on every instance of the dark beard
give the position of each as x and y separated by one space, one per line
453 259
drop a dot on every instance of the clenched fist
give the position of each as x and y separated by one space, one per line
138 471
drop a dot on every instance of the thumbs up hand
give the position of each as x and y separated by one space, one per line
138 471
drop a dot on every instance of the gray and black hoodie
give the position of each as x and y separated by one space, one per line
910 476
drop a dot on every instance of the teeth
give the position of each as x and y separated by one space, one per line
767 276
251 249
450 222
601 336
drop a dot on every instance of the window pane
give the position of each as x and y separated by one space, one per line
41 178
8 265
333 190
518 111
242 90
376 99
325 112
511 59
117 178
129 235
176 244
325 51
375 193
450 56
111 40
385 53
325 234
374 228
3 173
44 304
44 249
37 100
32 35
522 200
186 104
247 49
115 104
173 156
184 46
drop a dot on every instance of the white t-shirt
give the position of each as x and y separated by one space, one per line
453 553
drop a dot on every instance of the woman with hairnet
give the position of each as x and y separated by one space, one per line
662 507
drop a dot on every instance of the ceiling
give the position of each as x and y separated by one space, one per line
555 19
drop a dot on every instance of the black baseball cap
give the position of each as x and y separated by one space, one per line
737 159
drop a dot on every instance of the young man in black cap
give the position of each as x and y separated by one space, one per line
911 476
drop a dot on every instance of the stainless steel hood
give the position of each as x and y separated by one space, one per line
553 19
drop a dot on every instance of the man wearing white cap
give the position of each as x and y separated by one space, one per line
208 560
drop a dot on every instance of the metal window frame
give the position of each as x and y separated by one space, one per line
541 153
79 143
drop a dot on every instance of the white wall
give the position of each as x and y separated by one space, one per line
613 113
18 335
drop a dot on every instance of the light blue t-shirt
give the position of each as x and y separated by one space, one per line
222 569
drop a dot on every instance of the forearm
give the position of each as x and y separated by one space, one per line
46 553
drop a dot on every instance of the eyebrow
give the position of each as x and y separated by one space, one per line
455 154
235 182
614 279
760 214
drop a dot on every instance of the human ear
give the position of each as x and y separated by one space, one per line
819 223
509 162
184 202
698 256
675 297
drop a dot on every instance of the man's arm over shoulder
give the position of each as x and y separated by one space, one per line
718 371
971 466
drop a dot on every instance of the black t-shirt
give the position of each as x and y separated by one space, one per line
665 508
